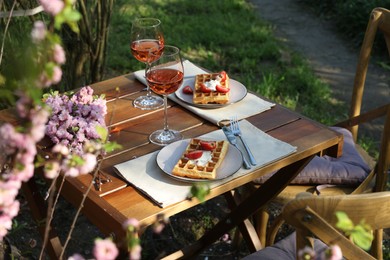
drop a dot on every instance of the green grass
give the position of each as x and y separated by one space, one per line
227 35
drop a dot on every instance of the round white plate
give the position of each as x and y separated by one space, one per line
237 92
170 155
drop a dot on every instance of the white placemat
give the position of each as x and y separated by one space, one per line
250 105
144 173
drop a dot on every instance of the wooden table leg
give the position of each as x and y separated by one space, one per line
38 211
246 228
259 198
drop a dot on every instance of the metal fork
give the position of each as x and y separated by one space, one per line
235 127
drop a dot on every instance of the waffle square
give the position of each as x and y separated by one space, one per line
212 97
192 169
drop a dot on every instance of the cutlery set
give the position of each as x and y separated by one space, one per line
231 134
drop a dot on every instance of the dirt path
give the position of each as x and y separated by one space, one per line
329 54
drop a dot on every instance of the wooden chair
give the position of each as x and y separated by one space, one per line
315 216
314 219
377 179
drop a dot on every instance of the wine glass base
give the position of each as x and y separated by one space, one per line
148 102
164 137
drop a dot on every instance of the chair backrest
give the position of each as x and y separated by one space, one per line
315 215
379 23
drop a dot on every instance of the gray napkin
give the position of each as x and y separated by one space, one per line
144 173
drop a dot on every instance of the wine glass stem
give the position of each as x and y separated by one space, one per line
148 91
165 113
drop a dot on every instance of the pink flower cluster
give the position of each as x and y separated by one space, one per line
132 226
105 249
74 119
52 72
70 164
333 252
52 7
17 154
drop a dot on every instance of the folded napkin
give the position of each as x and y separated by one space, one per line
250 105
145 175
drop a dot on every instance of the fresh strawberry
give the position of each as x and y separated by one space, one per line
208 145
221 89
194 154
204 89
223 75
188 90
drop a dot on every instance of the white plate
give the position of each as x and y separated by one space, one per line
170 154
237 92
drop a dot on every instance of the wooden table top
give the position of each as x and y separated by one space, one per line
130 127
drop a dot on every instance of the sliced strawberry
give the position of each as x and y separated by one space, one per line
223 75
204 89
208 145
188 90
194 154
221 89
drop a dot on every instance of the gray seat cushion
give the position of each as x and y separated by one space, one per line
349 169
284 249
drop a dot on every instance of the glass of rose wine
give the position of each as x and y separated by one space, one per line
147 38
164 76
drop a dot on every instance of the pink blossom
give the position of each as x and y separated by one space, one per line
22 106
61 149
72 171
135 252
333 253
52 169
44 81
59 54
38 123
158 227
105 249
225 237
76 257
306 253
25 173
89 163
53 7
8 191
37 132
5 225
13 209
133 222
57 75
39 31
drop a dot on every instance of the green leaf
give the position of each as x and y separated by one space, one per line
102 132
344 223
361 237
59 20
200 191
111 146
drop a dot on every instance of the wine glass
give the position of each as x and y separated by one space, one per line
147 37
164 76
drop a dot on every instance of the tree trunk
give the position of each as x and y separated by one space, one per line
86 51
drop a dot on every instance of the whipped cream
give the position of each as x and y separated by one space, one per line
203 160
213 83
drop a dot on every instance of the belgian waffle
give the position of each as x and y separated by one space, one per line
212 97
189 168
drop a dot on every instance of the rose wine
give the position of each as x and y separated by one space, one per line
164 81
140 49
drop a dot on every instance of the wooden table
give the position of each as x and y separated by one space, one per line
130 127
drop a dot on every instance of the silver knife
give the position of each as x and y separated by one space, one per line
232 139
